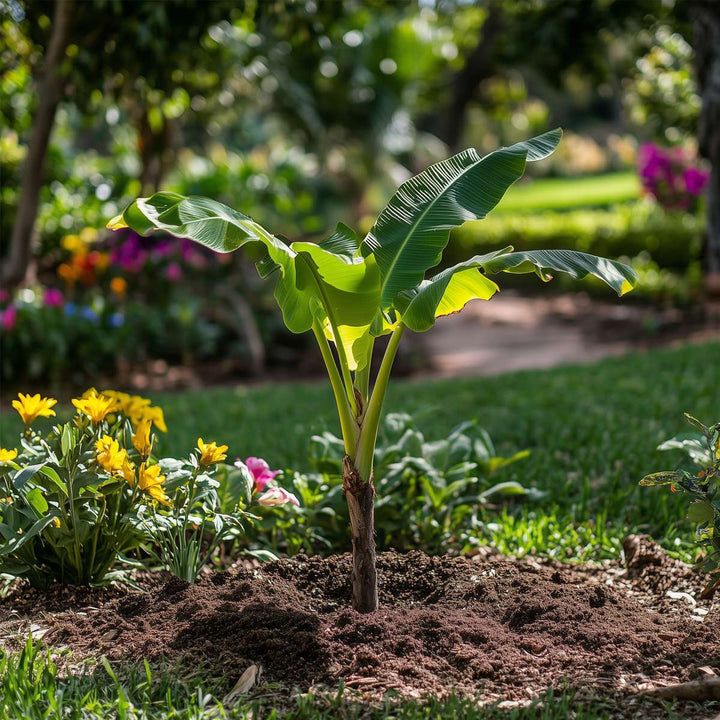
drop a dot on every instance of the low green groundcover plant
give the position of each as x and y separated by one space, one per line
349 291
431 494
702 449
75 503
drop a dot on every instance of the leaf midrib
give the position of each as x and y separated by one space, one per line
420 219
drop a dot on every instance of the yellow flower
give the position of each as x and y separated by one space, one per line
150 479
33 406
156 415
7 455
56 522
210 453
128 472
73 244
141 439
95 406
109 455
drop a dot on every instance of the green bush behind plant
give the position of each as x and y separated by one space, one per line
664 247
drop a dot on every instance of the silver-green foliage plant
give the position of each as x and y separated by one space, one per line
349 291
701 481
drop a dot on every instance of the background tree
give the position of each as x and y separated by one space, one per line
140 51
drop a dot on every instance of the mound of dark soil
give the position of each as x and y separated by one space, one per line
489 628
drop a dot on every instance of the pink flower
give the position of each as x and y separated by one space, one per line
260 470
173 272
53 298
8 317
277 496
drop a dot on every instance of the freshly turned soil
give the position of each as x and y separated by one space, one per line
490 628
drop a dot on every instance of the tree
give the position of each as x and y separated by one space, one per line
140 50
705 16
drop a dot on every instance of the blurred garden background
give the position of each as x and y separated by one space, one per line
302 113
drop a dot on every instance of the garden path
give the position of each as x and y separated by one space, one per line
516 333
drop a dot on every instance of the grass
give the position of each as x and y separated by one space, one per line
33 687
570 193
592 432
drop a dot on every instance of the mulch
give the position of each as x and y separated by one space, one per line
488 627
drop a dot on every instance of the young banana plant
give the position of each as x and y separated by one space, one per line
349 291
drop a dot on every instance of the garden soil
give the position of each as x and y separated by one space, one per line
488 627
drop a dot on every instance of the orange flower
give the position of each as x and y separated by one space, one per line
119 286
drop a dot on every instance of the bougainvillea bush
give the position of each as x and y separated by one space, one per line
350 291
672 176
78 502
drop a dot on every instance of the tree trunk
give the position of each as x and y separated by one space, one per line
360 496
478 66
706 31
50 92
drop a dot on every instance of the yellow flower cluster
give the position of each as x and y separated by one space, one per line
114 460
137 409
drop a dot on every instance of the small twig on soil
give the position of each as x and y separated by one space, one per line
698 690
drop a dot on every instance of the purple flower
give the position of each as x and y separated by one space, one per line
695 180
130 255
173 272
260 471
53 297
8 317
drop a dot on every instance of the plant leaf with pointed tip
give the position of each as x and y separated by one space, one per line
411 233
618 276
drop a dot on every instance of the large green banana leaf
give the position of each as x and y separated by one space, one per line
411 233
314 281
620 277
449 291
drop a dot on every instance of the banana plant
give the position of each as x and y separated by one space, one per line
350 291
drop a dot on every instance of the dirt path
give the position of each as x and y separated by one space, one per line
518 333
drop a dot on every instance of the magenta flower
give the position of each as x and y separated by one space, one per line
4 295
277 496
173 272
53 297
695 180
8 317
260 470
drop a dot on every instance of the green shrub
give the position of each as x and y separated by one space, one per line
672 240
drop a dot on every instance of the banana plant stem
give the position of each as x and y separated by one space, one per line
348 424
368 434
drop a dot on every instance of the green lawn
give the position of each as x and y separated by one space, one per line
567 193
592 432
